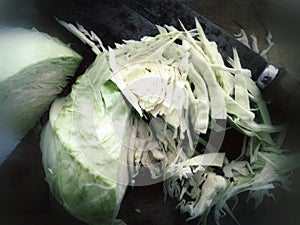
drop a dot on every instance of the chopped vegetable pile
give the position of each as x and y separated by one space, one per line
148 103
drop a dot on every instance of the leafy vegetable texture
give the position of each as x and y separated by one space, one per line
148 103
34 70
82 152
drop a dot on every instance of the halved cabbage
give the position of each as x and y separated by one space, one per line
34 70
83 155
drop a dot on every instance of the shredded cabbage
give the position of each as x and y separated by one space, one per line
174 87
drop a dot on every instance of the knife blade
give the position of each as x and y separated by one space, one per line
117 20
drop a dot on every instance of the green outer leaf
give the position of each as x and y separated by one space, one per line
84 194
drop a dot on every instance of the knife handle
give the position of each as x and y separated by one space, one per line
284 93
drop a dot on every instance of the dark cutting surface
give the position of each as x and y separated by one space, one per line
24 195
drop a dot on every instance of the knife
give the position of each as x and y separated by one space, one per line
116 20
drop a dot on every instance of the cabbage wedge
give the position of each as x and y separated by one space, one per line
34 69
83 155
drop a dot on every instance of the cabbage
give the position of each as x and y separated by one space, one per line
34 69
82 153
145 103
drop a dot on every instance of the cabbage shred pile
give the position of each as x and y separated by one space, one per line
177 87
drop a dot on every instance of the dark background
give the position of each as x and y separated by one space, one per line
24 195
